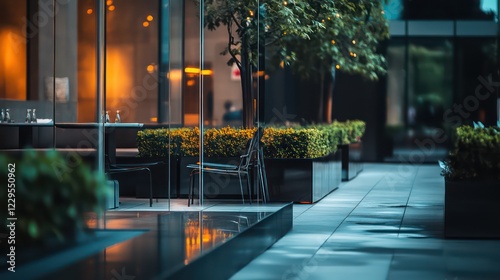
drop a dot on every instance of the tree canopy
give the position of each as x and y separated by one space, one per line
310 36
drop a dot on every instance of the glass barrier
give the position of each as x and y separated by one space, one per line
442 10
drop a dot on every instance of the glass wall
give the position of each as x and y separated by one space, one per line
437 58
99 71
442 9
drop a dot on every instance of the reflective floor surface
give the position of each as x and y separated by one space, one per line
167 245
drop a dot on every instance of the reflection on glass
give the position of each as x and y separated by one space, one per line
396 74
490 7
132 83
13 50
393 9
430 74
449 9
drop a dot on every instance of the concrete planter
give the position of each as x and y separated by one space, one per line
303 180
351 160
472 209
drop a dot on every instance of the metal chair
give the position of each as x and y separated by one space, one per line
242 169
125 168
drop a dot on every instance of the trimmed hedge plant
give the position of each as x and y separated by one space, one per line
299 142
476 155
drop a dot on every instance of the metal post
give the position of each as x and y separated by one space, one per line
100 72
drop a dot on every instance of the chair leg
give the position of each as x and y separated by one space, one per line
261 178
241 189
150 188
191 187
249 187
190 192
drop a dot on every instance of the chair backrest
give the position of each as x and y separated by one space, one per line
252 148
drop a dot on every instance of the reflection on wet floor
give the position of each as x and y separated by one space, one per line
196 231
166 244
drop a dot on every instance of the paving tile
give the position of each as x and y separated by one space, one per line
387 223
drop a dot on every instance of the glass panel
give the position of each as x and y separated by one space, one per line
213 91
66 68
430 68
171 57
490 7
447 9
87 40
13 50
396 101
477 73
132 60
26 71
192 64
477 10
429 9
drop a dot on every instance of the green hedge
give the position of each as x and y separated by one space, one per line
476 154
300 142
295 143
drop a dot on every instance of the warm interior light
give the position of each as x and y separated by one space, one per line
174 75
109 2
154 119
333 42
145 24
190 83
111 8
149 18
12 63
337 66
90 11
261 73
150 68
194 70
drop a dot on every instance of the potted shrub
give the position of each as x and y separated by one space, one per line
309 152
472 184
302 164
51 196
347 136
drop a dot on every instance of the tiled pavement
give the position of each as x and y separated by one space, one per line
385 224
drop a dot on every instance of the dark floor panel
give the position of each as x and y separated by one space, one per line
176 245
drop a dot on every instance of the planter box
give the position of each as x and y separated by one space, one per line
351 160
472 209
303 180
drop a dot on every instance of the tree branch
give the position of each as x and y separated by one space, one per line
231 43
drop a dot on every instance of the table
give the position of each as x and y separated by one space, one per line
26 131
109 129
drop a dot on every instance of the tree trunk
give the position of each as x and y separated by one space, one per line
246 86
327 85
